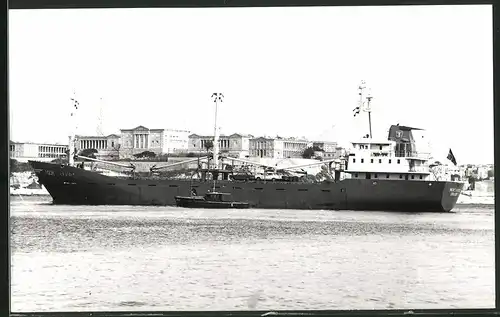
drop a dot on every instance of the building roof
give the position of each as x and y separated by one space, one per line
234 135
92 136
177 130
39 143
262 138
141 127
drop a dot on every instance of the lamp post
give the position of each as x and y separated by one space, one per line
217 97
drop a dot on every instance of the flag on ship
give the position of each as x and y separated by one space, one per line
356 111
451 157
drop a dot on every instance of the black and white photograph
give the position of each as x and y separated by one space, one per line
251 158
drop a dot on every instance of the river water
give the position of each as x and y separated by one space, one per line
164 258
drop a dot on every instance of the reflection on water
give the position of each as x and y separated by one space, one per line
164 258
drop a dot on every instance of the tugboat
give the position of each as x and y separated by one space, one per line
211 199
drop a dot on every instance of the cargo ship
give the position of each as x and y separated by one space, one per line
384 175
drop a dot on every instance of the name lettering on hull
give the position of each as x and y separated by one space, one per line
62 173
455 192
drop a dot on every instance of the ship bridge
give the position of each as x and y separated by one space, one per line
387 159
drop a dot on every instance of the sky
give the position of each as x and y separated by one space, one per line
283 71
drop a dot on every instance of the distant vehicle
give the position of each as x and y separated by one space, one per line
268 176
242 176
289 176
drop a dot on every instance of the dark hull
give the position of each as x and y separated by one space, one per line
189 202
74 186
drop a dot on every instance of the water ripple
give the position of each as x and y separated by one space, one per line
76 259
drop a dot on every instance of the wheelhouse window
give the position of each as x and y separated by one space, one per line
390 161
354 160
380 160
362 160
371 161
399 161
400 176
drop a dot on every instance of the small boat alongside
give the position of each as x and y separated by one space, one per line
210 200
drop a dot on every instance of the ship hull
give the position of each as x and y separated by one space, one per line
74 186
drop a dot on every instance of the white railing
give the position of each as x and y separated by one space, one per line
420 169
397 154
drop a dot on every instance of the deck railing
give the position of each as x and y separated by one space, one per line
388 154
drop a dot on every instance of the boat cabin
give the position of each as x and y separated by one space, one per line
216 196
218 174
395 158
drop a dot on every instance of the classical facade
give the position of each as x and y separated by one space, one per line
234 145
294 148
239 145
23 152
328 149
108 147
265 148
140 139
278 147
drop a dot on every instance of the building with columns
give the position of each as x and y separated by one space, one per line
140 139
294 148
234 145
278 147
264 147
329 149
24 151
134 141
108 147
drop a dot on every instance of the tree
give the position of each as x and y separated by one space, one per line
13 165
308 153
16 166
209 144
90 153
324 174
145 154
116 149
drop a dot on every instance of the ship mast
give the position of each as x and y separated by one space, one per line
73 127
217 97
369 110
365 105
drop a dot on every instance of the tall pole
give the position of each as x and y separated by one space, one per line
217 97
369 98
